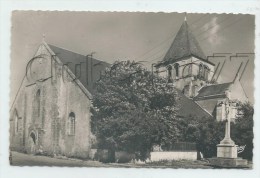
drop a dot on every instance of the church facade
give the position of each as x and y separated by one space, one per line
51 112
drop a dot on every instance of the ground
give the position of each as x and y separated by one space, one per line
21 159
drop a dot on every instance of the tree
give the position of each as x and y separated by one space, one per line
207 133
134 109
242 131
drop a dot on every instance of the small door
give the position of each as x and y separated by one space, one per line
32 142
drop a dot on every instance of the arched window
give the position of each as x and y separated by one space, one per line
200 70
38 102
206 73
33 137
71 124
16 122
176 67
169 73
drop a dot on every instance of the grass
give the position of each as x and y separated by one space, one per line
21 159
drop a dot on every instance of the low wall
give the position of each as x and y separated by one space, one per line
173 155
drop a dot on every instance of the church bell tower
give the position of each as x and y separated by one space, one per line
185 64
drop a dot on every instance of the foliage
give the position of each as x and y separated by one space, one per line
242 131
134 109
207 133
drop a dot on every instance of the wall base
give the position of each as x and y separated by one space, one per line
229 162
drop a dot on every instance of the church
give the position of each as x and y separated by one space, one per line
186 66
51 111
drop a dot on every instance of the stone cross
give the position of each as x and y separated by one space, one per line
227 139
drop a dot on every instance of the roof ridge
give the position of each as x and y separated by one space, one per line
218 84
65 49
75 52
188 38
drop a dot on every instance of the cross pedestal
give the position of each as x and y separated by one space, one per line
227 147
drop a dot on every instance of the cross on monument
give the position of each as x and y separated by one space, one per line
227 147
227 139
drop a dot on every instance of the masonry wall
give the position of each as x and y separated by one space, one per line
59 96
173 155
188 79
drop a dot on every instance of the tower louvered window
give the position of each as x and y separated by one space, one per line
176 67
38 102
169 73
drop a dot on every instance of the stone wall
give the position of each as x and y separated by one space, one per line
173 155
42 128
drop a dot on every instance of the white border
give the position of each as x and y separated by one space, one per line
6 171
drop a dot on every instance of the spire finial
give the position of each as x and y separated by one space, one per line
43 37
185 18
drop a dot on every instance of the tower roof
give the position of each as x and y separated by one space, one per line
184 45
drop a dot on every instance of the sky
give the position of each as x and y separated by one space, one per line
135 36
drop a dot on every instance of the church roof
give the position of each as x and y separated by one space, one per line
214 91
90 68
184 45
188 107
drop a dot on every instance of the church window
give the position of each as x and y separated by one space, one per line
206 73
71 125
38 102
16 122
176 67
200 70
169 73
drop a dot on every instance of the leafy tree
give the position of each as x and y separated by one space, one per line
207 133
242 131
134 109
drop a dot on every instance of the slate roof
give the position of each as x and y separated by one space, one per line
89 68
188 107
214 91
184 45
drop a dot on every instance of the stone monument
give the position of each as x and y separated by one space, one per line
227 149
